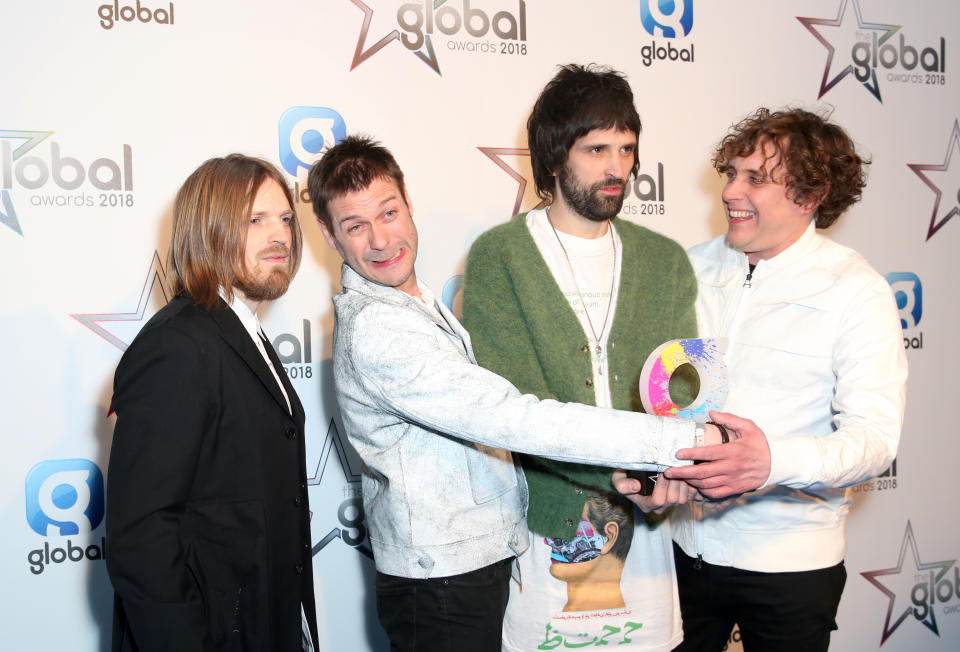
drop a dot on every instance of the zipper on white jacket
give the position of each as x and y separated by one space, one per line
698 511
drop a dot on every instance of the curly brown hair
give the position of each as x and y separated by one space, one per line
819 158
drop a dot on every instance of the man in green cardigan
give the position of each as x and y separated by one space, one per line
567 302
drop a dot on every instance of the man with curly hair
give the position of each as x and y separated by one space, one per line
816 357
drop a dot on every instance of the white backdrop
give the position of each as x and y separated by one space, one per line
108 107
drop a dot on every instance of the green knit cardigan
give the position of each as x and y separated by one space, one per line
523 328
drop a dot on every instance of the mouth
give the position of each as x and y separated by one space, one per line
390 261
734 216
611 188
275 256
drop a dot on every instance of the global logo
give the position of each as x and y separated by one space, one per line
908 293
23 166
305 133
858 48
417 23
110 14
916 589
64 498
667 18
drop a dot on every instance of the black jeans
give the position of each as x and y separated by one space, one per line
459 613
777 612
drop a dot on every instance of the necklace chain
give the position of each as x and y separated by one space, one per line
613 278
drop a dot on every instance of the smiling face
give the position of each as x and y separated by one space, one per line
373 230
762 219
267 261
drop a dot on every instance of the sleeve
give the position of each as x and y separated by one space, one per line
494 319
870 365
407 373
161 397
502 343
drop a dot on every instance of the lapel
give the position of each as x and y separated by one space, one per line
237 338
291 393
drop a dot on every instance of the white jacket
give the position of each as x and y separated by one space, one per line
816 360
440 493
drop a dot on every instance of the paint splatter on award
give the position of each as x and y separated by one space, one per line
706 358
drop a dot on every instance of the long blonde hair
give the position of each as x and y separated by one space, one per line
210 218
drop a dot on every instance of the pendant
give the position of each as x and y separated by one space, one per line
599 349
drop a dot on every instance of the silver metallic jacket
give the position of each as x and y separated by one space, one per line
441 495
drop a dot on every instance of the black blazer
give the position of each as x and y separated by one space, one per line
208 527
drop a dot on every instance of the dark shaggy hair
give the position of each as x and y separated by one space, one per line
576 101
350 166
819 159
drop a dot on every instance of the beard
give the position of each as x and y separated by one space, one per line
587 201
266 286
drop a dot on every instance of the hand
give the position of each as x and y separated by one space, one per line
666 493
728 469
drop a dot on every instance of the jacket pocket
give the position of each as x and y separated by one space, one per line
492 472
228 560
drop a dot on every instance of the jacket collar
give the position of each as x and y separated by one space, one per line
721 268
233 332
353 281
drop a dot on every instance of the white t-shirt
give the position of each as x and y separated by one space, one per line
630 603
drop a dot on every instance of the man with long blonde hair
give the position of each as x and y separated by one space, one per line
207 518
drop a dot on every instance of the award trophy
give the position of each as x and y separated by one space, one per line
704 357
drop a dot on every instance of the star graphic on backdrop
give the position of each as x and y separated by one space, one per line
906 583
8 214
360 55
846 30
154 282
526 198
333 445
950 179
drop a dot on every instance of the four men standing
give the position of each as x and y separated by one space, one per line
208 524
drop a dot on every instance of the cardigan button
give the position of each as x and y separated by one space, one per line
568 523
585 348
579 491
589 382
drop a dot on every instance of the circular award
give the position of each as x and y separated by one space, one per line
706 357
